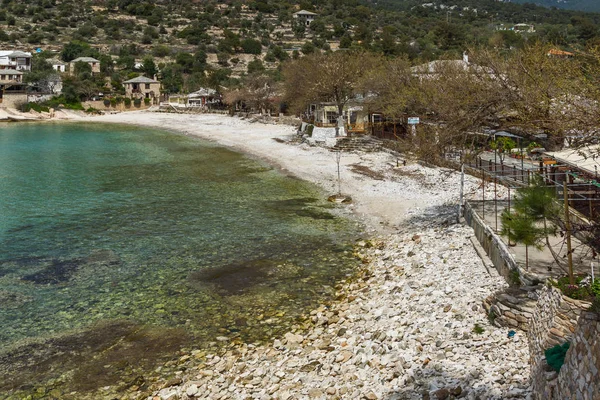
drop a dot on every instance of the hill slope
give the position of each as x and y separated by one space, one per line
582 5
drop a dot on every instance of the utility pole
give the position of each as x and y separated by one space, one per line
568 231
462 185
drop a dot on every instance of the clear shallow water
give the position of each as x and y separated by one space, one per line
112 232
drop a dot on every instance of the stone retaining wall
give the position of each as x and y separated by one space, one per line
496 249
554 322
512 308
579 376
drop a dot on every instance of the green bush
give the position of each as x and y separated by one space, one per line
137 102
35 107
119 99
478 329
515 277
595 287
92 110
106 103
309 130
113 102
147 101
127 102
576 291
555 356
61 102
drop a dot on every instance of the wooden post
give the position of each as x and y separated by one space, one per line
568 232
462 184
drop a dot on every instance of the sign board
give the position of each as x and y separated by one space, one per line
413 120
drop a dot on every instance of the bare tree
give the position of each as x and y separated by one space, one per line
331 77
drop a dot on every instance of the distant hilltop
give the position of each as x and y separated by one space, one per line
582 5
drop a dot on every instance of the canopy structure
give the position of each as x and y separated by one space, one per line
586 159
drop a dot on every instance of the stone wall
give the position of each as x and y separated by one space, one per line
99 105
579 376
13 100
496 249
554 322
513 307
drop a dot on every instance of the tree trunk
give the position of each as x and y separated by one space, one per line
554 254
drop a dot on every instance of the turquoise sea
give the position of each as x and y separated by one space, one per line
119 246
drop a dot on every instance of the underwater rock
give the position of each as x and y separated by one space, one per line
235 278
58 271
12 299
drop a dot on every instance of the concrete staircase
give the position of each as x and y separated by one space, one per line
357 143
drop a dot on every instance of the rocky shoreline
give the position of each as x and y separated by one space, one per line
411 326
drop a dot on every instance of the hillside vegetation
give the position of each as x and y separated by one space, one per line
209 43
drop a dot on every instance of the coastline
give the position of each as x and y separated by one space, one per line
403 329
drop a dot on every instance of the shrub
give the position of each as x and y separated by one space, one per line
309 130
35 107
515 278
251 46
119 99
127 102
478 329
595 288
578 291
113 102
555 356
106 103
147 101
137 102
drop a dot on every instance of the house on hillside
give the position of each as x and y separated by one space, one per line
305 17
12 90
523 28
143 88
437 68
95 64
15 60
58 65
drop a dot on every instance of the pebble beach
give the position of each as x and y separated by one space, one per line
409 325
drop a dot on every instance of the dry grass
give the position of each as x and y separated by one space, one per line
366 171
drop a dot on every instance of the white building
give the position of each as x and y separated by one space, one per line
58 65
305 16
15 60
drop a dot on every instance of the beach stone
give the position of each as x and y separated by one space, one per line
191 390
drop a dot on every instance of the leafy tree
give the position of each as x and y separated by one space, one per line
172 78
75 49
535 217
185 61
255 66
503 147
149 67
308 48
251 46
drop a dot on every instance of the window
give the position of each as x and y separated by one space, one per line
331 117
147 86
